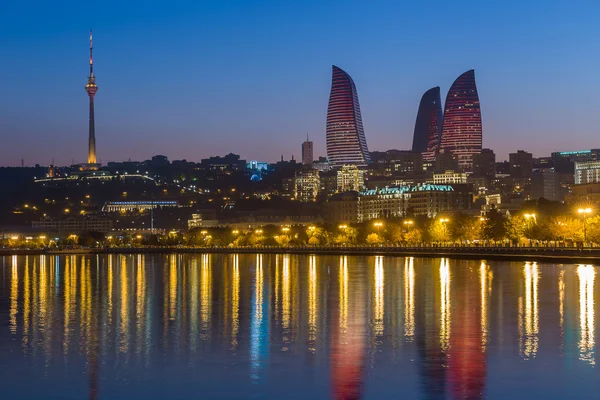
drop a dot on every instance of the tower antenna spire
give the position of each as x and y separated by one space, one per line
91 58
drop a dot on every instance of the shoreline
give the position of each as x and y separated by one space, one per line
557 255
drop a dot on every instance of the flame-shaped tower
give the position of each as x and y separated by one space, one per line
91 88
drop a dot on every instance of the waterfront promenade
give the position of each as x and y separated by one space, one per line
587 255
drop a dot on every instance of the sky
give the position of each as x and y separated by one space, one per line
190 79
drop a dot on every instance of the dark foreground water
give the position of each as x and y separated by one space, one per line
295 327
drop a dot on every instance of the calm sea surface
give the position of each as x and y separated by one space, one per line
295 327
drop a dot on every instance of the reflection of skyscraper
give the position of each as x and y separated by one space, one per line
462 131
348 336
466 356
346 143
428 127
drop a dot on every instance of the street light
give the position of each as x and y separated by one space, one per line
285 229
584 212
235 232
342 227
259 231
378 225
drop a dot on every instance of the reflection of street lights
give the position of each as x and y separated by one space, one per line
584 212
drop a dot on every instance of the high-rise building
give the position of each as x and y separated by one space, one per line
484 165
461 130
307 184
350 178
521 164
346 143
307 152
91 88
428 127
587 172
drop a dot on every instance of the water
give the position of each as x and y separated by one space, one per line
295 327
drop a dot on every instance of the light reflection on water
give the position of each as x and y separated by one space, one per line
286 326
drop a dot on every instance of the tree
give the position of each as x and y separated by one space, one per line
374 238
314 241
282 240
439 232
413 237
494 227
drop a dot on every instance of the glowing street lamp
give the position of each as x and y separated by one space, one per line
378 225
444 221
343 227
259 231
235 232
285 229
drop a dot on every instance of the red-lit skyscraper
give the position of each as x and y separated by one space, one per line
346 143
428 127
461 131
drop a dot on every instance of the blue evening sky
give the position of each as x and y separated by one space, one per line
190 79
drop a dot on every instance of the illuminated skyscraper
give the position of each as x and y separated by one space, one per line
346 143
91 88
461 131
428 127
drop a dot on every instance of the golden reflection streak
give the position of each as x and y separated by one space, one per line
343 282
172 286
26 303
445 304
485 278
586 275
205 296
67 304
124 312
235 302
14 296
312 302
194 298
528 310
561 299
140 301
285 298
85 310
42 295
379 301
409 297
257 320
110 289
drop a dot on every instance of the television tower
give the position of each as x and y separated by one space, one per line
91 88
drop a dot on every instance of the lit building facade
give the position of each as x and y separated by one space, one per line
74 226
428 127
383 203
140 206
587 172
307 184
345 136
449 177
462 129
350 177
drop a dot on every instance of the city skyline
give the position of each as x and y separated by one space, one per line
177 85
